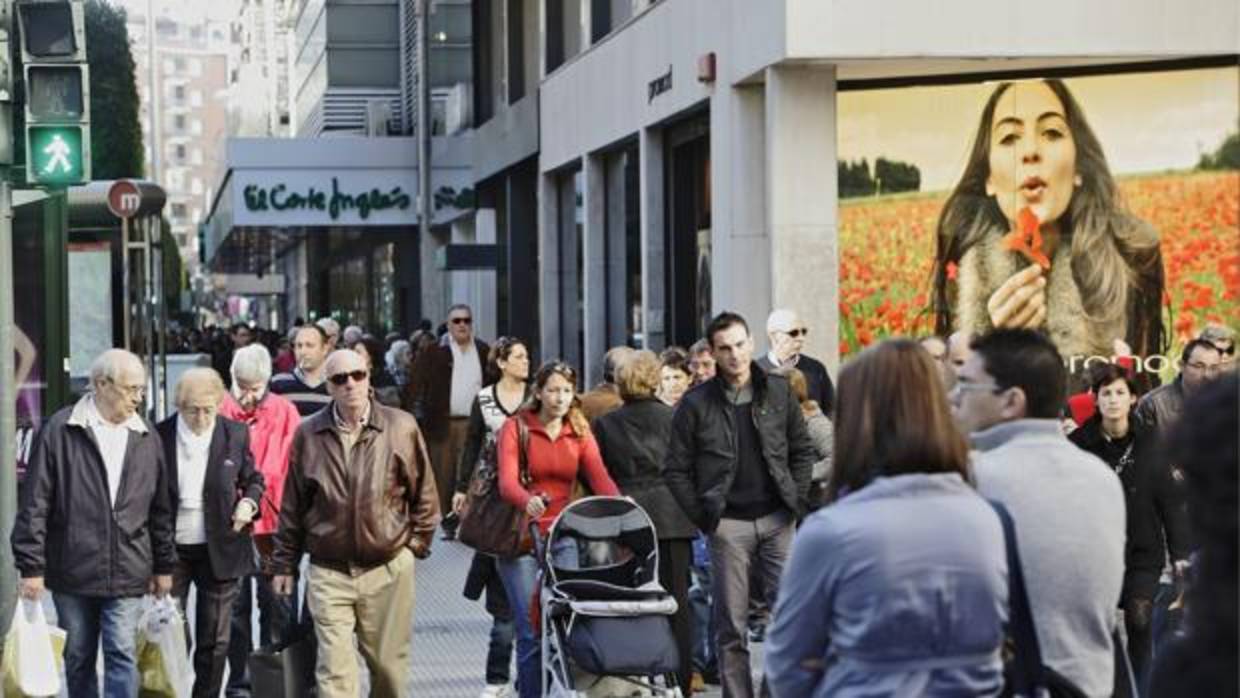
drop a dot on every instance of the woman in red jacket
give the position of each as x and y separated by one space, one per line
560 449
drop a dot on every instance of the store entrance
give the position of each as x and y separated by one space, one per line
689 230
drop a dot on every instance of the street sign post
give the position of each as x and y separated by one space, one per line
124 199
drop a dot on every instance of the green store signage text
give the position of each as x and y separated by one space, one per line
335 202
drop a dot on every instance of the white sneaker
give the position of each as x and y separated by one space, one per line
496 690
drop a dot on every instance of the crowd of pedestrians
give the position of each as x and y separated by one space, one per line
948 522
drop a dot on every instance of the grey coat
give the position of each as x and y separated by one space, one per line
887 597
822 433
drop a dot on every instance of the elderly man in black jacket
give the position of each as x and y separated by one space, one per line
216 490
95 524
740 465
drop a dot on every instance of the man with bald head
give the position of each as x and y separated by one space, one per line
786 335
216 490
95 524
360 499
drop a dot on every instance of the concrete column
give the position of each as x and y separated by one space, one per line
802 204
740 244
524 289
551 332
482 292
616 252
435 284
594 255
653 236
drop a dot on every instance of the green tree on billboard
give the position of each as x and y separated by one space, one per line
1227 157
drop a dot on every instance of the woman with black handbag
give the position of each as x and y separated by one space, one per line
493 405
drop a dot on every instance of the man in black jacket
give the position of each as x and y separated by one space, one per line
216 491
786 335
739 465
95 524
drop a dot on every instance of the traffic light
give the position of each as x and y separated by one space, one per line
57 79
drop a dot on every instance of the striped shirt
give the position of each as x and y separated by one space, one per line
307 400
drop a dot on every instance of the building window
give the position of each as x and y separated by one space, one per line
178 64
571 228
196 156
178 93
178 211
195 67
195 127
180 152
195 98
195 186
178 122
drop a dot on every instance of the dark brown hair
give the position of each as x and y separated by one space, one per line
800 388
892 418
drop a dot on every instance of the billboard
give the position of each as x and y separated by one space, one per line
1102 209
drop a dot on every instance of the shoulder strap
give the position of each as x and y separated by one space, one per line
1027 662
523 458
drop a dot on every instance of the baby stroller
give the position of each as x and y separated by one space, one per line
606 629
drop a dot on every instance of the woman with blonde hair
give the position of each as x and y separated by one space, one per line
633 441
901 581
559 448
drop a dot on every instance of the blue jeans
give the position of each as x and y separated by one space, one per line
520 577
703 620
84 619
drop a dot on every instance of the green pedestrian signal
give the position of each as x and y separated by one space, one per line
54 155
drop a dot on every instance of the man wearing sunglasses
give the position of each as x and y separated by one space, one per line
787 334
1160 408
360 499
446 378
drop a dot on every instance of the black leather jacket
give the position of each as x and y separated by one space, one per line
702 460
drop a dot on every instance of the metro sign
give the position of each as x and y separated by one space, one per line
54 155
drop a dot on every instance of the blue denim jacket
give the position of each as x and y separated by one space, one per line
899 589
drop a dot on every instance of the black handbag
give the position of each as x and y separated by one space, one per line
488 523
1024 672
285 671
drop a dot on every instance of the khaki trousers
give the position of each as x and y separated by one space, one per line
376 606
444 449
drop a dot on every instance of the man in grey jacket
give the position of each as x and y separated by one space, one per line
1067 504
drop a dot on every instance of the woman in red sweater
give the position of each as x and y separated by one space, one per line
559 450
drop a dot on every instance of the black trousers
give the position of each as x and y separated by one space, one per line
675 559
212 619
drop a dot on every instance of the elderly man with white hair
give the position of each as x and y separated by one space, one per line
216 491
787 334
272 420
361 501
95 524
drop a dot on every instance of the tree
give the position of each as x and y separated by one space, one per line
1227 157
115 127
854 179
893 176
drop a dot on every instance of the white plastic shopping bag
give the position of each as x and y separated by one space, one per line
30 657
163 662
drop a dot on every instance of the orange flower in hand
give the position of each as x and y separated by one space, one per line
1027 238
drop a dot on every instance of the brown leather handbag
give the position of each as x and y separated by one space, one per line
488 523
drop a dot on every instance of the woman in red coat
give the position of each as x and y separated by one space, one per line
560 448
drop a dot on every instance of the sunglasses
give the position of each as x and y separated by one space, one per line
799 332
461 320
342 378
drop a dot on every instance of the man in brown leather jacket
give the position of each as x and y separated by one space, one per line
361 500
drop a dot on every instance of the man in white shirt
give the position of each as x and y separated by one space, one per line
446 378
95 524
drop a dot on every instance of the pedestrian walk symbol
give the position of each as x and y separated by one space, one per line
59 152
55 156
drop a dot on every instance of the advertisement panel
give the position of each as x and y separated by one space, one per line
1102 209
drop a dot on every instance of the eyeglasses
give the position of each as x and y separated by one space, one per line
131 390
798 332
462 321
973 388
1205 368
342 378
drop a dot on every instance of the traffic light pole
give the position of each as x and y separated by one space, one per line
8 407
